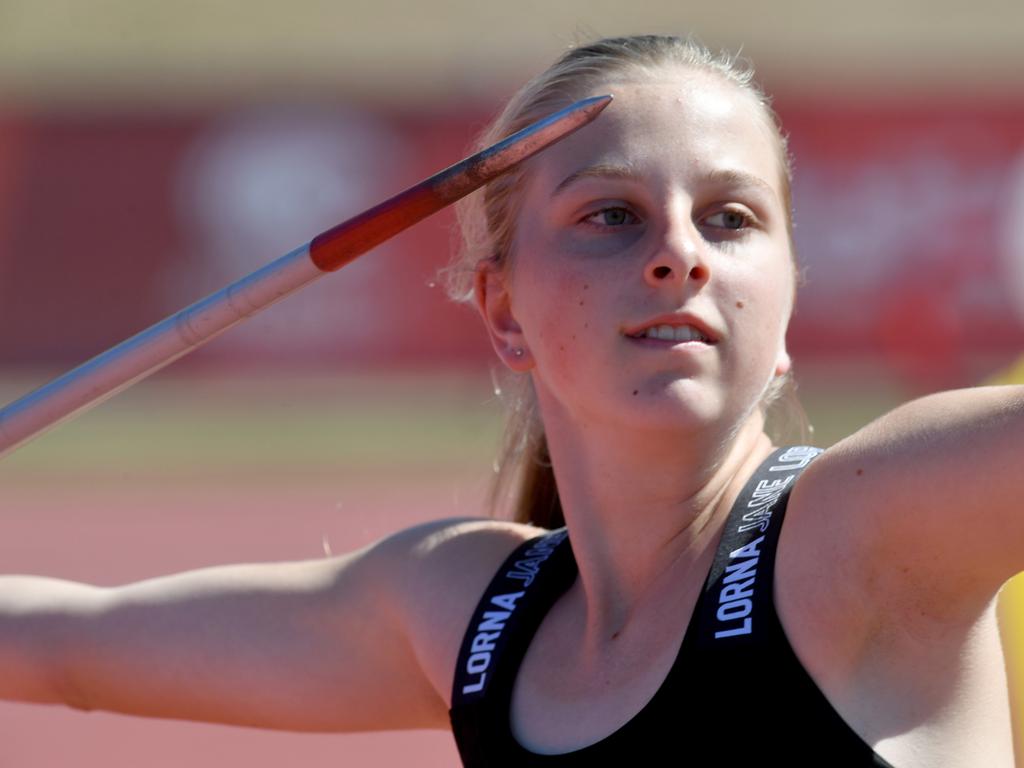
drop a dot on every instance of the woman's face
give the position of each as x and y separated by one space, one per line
651 278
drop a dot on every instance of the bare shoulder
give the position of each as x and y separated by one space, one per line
926 498
838 583
884 588
836 547
824 568
437 573
901 531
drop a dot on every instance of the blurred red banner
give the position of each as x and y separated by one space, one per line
909 225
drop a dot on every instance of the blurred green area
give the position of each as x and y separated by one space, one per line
267 427
839 400
276 428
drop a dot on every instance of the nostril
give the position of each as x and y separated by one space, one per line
662 272
698 273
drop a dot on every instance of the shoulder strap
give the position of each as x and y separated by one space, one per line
736 599
513 605
729 610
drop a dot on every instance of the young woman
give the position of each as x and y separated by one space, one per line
638 277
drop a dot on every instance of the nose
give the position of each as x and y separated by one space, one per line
678 256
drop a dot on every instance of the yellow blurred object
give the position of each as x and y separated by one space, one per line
1011 624
1012 375
1011 608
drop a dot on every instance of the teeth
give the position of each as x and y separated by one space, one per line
678 333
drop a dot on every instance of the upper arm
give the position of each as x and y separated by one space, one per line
332 644
928 496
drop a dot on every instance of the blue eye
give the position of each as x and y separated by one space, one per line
614 216
728 219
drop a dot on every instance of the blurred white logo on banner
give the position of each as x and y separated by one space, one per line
1012 233
259 183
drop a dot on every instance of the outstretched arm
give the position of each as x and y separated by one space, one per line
933 493
335 644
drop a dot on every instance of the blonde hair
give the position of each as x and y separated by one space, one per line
487 220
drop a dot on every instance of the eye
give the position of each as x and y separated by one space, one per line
730 218
613 217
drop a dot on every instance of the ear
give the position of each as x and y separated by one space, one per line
490 292
783 362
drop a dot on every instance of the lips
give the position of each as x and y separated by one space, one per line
677 333
678 328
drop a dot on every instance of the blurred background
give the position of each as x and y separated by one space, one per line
150 153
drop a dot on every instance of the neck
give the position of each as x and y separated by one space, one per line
645 512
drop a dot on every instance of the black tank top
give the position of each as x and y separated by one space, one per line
736 695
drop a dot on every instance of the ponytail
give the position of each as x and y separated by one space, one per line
524 479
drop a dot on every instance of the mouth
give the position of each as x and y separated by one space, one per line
677 334
673 328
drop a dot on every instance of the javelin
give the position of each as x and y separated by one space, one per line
147 352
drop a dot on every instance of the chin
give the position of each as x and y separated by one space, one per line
686 407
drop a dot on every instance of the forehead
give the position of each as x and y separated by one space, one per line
679 126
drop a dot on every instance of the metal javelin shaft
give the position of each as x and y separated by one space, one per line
147 352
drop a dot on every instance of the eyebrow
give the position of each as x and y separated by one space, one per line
721 176
600 170
731 177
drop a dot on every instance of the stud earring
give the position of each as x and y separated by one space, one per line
518 352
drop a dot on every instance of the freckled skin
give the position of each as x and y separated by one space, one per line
676 248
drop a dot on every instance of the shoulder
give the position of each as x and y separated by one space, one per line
837 540
828 544
885 590
448 552
917 507
435 574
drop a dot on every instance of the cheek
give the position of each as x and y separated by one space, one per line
540 304
562 326
562 316
766 286
759 305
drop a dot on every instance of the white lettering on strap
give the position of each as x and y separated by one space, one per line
493 624
734 605
797 457
525 570
487 633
